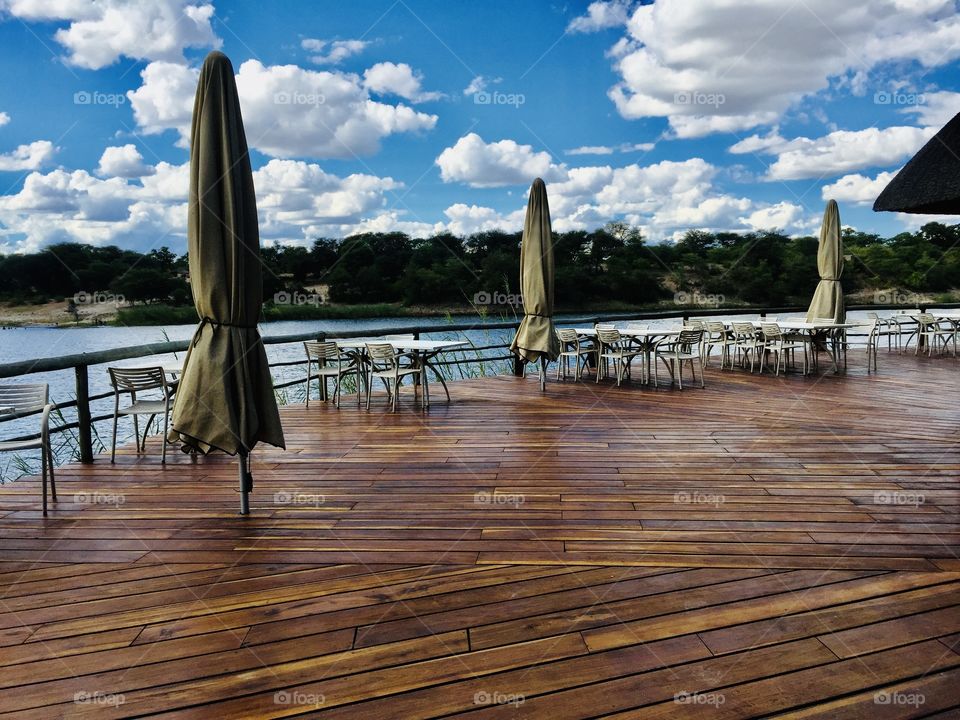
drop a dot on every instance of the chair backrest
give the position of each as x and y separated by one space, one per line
137 379
689 337
382 355
926 319
609 336
321 350
715 326
744 328
771 331
604 326
24 396
695 324
567 335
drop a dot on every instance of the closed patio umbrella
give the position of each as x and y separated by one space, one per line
536 339
930 182
225 400
828 298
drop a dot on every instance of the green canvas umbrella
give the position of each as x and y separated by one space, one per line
225 400
828 299
536 339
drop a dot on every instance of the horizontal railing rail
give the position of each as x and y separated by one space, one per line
80 362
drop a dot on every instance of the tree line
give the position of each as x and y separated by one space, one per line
610 266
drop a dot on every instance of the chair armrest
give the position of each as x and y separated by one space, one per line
45 421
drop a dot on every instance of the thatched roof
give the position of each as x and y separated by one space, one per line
930 182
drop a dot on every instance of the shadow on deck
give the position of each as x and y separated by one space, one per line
764 545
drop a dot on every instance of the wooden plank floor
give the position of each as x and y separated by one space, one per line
763 547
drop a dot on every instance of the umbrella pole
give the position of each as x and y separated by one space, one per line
543 373
246 482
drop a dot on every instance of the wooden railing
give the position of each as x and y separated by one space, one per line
81 362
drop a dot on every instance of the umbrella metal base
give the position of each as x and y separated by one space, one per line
246 482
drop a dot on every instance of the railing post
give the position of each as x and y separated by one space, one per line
84 425
517 360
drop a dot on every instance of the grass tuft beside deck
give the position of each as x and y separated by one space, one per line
763 546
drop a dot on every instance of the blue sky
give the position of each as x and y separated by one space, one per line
428 116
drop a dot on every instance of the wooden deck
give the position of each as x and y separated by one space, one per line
761 547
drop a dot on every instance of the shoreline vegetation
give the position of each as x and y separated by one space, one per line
374 275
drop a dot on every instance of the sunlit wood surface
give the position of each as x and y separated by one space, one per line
763 546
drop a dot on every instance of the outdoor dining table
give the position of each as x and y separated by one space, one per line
815 331
646 338
423 350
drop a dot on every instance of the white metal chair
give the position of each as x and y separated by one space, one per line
932 332
774 341
326 360
887 327
384 363
130 381
614 347
873 336
673 352
570 347
746 339
19 400
718 334
837 338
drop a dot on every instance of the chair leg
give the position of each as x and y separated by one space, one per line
113 446
309 381
136 432
166 421
53 480
43 472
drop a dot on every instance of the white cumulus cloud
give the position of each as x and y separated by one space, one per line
332 52
28 157
712 66
482 164
123 161
601 15
101 31
857 188
387 78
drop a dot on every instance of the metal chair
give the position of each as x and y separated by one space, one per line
887 327
319 354
384 363
718 334
19 400
570 347
613 346
873 336
139 380
781 345
931 331
673 352
746 339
